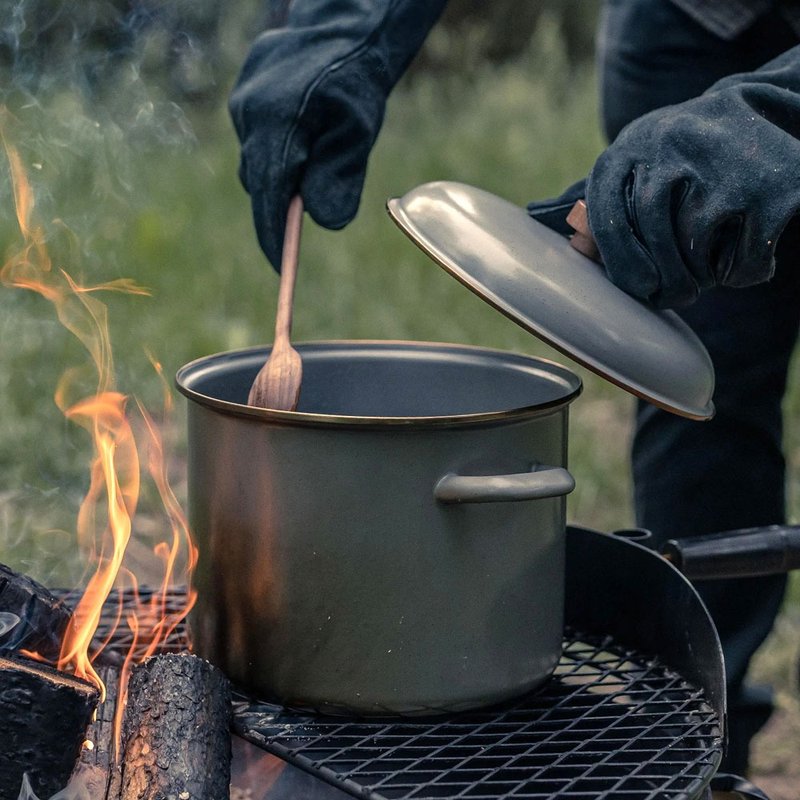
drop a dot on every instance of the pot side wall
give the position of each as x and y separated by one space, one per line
331 578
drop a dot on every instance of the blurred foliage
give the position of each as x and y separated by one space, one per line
118 109
194 46
133 182
130 182
472 33
191 47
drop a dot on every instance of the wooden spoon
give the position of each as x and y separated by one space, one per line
277 384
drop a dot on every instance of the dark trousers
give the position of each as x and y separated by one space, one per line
693 478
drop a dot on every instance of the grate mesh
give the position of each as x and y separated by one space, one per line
610 724
115 633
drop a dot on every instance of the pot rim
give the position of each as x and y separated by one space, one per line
304 418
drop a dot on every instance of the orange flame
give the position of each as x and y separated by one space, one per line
104 524
115 473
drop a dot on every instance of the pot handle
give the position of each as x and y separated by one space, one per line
746 553
542 481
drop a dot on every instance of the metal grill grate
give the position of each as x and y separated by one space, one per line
113 629
610 724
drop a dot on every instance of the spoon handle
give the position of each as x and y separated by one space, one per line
291 249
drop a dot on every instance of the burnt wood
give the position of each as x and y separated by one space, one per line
43 617
175 735
44 715
95 767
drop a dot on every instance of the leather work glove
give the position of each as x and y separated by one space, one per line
697 194
310 101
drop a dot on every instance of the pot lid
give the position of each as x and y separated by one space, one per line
533 275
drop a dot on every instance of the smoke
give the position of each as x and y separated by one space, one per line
8 621
89 92
45 44
89 87
76 789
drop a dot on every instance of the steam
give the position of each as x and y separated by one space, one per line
76 789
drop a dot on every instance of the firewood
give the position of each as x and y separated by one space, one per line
42 617
44 715
95 768
175 735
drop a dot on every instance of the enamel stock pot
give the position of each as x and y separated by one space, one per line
396 545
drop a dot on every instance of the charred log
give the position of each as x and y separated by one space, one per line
44 715
175 735
95 767
41 618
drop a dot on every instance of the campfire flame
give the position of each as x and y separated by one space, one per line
105 518
115 474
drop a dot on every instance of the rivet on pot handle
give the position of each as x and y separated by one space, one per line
542 481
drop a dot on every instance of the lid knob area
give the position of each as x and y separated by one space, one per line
535 277
582 240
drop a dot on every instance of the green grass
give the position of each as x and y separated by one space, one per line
154 196
159 201
167 210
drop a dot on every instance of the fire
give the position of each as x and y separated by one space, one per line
115 474
126 443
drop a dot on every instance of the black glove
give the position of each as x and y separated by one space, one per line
697 194
310 101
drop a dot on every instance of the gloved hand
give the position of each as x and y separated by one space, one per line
697 195
310 101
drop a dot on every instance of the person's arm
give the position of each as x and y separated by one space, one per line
310 101
697 194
